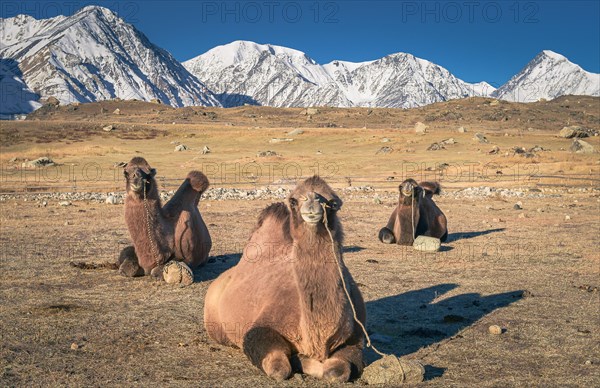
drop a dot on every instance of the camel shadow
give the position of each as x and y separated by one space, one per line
353 248
216 265
467 235
404 323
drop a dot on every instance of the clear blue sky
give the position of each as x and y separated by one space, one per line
475 40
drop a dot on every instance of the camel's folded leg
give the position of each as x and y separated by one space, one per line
268 350
345 364
128 263
386 236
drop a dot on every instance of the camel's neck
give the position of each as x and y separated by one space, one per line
149 231
324 304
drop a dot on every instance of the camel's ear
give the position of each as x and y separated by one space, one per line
292 202
335 204
152 172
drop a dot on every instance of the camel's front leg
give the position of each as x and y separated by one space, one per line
345 364
128 263
268 350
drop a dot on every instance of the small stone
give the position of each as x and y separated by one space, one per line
205 150
295 132
108 128
588 362
494 103
181 147
311 111
462 129
384 150
74 346
111 200
581 147
420 128
64 203
480 138
117 111
44 203
280 140
495 329
391 371
67 223
377 200
567 217
522 215
427 244
517 206
539 210
385 140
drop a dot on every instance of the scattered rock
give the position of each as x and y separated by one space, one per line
436 147
280 140
420 128
309 111
205 150
462 130
427 244
117 111
518 206
573 131
108 128
377 201
480 137
567 217
330 125
494 151
264 154
581 147
391 371
385 140
295 132
449 141
494 103
52 101
39 162
111 200
75 346
522 215
64 203
495 329
181 147
156 101
384 150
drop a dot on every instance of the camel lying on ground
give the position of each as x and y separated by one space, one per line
284 304
415 215
161 234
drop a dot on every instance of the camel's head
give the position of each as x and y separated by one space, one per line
313 202
410 191
140 177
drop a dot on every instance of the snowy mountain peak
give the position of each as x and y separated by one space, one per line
95 55
247 72
549 75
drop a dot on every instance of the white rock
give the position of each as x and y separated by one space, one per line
427 244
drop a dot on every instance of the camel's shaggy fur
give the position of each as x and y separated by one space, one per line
176 232
415 201
284 304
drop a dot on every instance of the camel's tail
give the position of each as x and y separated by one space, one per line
198 180
431 188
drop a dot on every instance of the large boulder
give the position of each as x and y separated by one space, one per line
581 147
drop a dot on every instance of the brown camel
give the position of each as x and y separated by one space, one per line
284 304
415 215
175 231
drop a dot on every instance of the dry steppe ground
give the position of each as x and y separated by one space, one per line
535 272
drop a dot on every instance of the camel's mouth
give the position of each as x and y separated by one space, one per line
312 218
139 181
312 209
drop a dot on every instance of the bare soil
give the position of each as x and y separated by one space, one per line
536 275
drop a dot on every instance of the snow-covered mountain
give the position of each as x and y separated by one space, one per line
247 72
549 75
95 55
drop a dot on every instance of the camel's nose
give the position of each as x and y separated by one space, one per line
407 189
311 210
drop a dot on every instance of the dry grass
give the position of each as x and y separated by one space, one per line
537 276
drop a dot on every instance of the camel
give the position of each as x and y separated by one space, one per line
160 234
416 215
284 303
